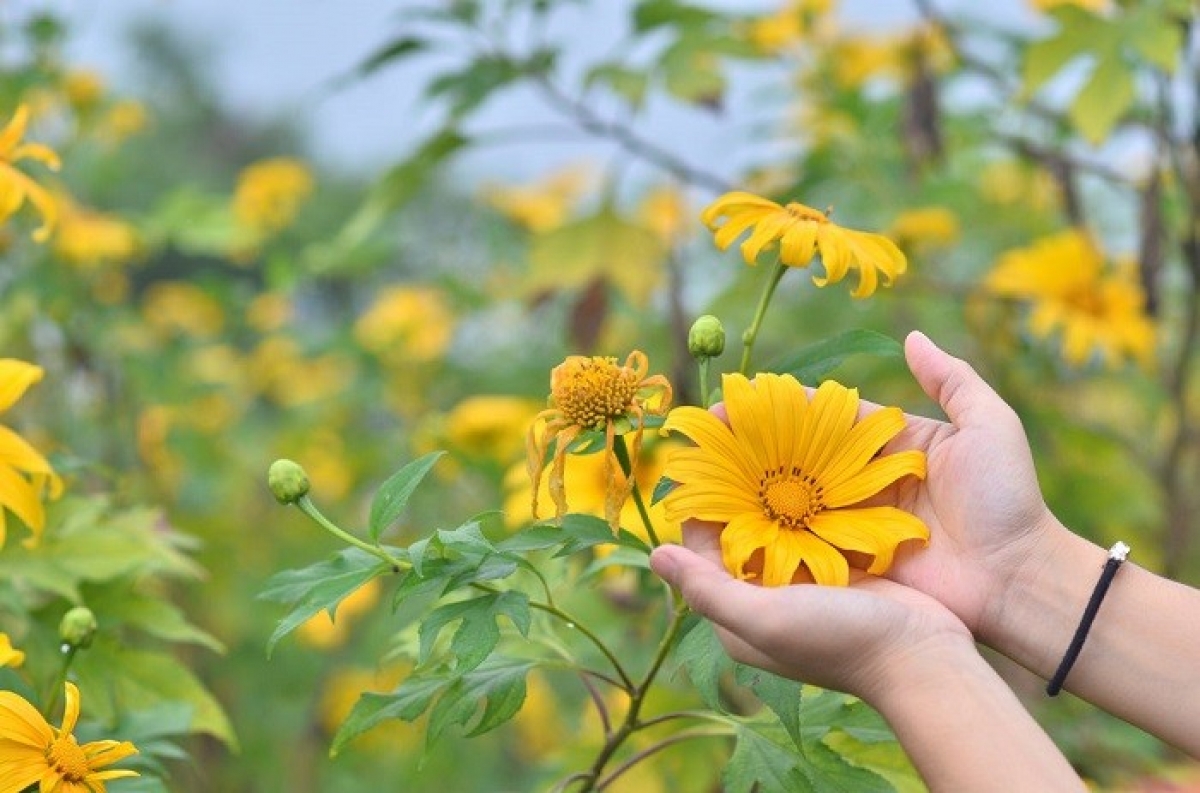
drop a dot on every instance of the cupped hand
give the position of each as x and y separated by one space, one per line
859 639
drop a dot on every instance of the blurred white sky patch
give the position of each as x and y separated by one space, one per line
280 57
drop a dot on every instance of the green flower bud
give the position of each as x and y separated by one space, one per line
78 627
287 481
706 339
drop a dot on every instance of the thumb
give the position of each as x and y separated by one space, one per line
953 383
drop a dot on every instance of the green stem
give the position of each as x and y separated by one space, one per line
665 743
622 453
308 508
751 334
702 364
60 681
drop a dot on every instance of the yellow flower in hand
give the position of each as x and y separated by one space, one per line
802 233
787 476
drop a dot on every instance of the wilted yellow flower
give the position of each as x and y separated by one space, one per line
932 227
324 632
589 487
544 205
489 425
15 186
32 753
787 476
88 238
177 307
8 655
269 194
406 323
594 394
1099 313
25 475
802 233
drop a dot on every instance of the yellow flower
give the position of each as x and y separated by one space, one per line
123 120
269 193
802 233
932 226
665 212
83 88
8 655
34 753
1095 6
323 632
1009 183
406 323
489 425
544 205
594 393
24 473
178 307
87 238
786 27
15 185
787 475
1099 313
269 312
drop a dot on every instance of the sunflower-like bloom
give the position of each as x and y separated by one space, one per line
803 232
787 477
1063 277
270 192
594 393
34 753
15 185
24 473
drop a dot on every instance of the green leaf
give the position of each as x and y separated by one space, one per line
391 52
581 532
629 84
1155 37
661 489
1108 94
619 557
691 72
812 363
479 631
828 770
781 695
467 539
762 764
1046 58
153 615
393 496
650 14
498 683
319 586
410 699
705 661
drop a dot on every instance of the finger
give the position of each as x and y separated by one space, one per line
704 538
965 397
708 588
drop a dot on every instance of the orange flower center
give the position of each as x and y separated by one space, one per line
590 391
790 499
67 759
801 212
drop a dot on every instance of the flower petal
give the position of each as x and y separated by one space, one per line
877 475
861 444
829 418
873 530
712 435
826 564
744 535
734 201
798 244
15 378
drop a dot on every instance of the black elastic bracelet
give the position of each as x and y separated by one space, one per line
1116 555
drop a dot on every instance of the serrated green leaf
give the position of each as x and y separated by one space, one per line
781 695
884 758
319 587
812 363
153 615
410 699
582 531
701 656
479 631
828 771
761 764
393 495
1108 93
498 683
539 537
467 540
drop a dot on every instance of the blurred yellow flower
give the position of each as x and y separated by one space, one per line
1095 6
489 426
787 476
594 393
123 120
773 33
538 723
83 88
269 312
406 323
1063 278
270 192
343 689
87 238
8 655
1009 183
281 371
802 233
930 227
25 475
32 753
665 211
544 205
171 307
153 444
324 632
15 186
588 480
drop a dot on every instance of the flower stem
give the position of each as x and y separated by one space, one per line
702 365
751 334
60 681
622 453
310 509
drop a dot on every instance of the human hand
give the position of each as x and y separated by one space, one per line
862 639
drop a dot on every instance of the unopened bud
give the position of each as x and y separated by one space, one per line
706 339
78 627
287 481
